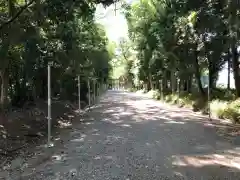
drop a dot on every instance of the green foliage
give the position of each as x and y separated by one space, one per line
154 94
133 89
223 94
142 91
184 100
218 108
58 31
175 43
232 111
177 40
226 110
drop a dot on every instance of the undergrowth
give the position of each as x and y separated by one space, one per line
223 106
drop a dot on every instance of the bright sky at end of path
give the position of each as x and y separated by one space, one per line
115 25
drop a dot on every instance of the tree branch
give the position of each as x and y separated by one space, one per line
17 14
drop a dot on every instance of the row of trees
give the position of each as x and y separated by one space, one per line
181 40
34 33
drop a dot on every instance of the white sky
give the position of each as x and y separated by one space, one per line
116 26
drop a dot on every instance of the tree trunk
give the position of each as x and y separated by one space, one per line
198 74
235 63
181 83
185 84
34 93
173 81
189 84
4 88
150 81
229 71
210 73
164 81
0 90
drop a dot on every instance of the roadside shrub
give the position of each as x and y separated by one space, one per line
223 94
168 98
174 98
223 109
226 110
132 89
181 102
154 94
188 101
232 111
218 108
142 91
199 104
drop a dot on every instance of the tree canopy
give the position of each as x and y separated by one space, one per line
182 40
34 33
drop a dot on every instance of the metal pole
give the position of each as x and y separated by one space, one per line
178 89
209 99
102 87
79 93
161 84
98 89
49 105
89 95
209 93
94 90
115 8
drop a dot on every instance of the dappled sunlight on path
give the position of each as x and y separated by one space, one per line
127 136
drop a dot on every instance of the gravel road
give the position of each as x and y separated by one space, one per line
129 137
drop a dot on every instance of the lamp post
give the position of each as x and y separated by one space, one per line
178 90
89 94
161 88
50 144
206 82
79 93
209 99
97 89
94 89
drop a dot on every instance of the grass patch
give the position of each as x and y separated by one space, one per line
223 94
154 94
132 89
182 100
141 91
224 108
218 108
232 111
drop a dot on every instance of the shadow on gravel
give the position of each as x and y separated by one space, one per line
194 147
130 137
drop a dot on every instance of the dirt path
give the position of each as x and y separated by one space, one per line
131 137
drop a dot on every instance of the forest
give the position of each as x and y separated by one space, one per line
37 33
173 44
